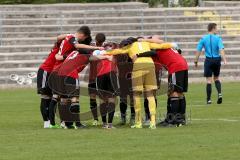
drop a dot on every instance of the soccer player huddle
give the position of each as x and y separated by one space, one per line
128 69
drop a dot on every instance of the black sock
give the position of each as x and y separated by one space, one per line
174 104
52 110
111 111
132 112
218 86
123 107
156 101
44 108
182 110
103 111
64 112
146 108
93 106
132 107
75 111
209 91
169 111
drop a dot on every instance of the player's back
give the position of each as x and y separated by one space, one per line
73 64
171 59
66 47
138 48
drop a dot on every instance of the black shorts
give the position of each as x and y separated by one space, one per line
107 85
92 89
42 82
64 86
212 66
125 85
178 82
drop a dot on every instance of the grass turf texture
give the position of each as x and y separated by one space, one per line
210 135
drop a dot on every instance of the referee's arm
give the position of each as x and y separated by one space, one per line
222 52
198 52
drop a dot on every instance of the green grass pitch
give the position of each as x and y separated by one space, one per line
212 134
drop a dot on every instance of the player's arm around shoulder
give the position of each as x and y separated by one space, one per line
123 50
84 46
161 46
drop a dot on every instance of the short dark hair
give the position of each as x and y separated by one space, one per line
211 26
100 37
128 41
85 30
87 41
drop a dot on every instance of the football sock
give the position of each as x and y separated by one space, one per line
132 106
169 111
75 112
132 111
103 111
44 108
52 109
209 91
218 86
174 104
152 108
123 108
138 113
65 114
182 110
111 111
156 102
146 108
93 107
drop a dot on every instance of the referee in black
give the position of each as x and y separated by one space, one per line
214 52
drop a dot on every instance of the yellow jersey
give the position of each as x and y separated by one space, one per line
138 48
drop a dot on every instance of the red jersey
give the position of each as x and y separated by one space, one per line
50 61
73 65
171 60
66 47
106 66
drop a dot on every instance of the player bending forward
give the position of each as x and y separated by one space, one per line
143 76
177 68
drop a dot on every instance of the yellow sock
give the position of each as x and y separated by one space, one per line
137 106
152 108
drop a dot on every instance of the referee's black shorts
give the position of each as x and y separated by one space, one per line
212 66
178 81
42 82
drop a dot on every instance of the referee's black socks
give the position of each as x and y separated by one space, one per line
218 86
209 91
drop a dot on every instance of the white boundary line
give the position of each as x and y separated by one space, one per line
208 119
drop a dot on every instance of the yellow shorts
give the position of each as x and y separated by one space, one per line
144 77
